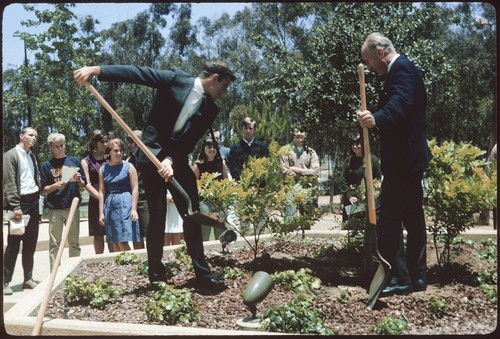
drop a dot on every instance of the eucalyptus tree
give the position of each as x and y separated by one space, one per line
222 38
234 40
320 80
55 100
138 41
183 33
14 106
471 114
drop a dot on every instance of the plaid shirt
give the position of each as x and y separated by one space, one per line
240 152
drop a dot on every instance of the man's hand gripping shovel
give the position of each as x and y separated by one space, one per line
383 269
193 216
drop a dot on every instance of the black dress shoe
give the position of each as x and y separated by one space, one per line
211 283
395 289
419 285
153 277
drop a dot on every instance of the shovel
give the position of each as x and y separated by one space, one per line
43 307
192 216
383 269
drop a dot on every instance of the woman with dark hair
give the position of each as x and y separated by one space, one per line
209 162
91 165
353 172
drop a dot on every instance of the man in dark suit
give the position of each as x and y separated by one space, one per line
405 154
182 111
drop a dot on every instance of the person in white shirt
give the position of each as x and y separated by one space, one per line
21 193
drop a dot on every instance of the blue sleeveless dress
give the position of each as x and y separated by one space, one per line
118 205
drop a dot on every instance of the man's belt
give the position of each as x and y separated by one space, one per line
30 197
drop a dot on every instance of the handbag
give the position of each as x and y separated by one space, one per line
17 226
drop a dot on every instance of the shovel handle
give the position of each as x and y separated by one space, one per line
122 123
366 146
43 307
138 141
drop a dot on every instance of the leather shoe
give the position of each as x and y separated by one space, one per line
157 279
419 285
210 282
395 289
29 284
7 290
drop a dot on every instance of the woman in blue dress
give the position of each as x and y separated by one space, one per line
118 194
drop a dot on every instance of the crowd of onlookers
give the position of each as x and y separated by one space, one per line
117 208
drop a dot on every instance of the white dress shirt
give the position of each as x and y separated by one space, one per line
27 172
191 105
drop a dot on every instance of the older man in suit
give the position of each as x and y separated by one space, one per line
405 154
183 109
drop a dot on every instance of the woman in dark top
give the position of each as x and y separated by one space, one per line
209 161
353 172
91 165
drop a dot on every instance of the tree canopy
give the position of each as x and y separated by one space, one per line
295 63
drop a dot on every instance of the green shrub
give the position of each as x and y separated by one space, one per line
171 305
299 316
143 268
182 255
488 250
490 292
457 187
127 258
232 273
297 281
344 296
97 294
436 306
488 277
259 200
391 326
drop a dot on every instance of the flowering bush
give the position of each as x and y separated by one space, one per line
457 187
258 202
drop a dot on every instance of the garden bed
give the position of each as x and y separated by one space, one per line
341 297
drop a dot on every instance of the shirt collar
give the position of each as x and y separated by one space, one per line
392 61
249 143
20 149
198 87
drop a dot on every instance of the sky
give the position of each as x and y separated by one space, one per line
106 12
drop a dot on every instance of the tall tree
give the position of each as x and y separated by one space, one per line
183 33
136 41
54 98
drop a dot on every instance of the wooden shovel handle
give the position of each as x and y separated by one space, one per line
43 307
122 123
138 141
366 144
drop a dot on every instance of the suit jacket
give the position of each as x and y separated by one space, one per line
12 179
400 118
172 88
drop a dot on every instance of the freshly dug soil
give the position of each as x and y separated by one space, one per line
466 311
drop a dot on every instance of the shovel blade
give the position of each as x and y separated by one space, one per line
377 284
